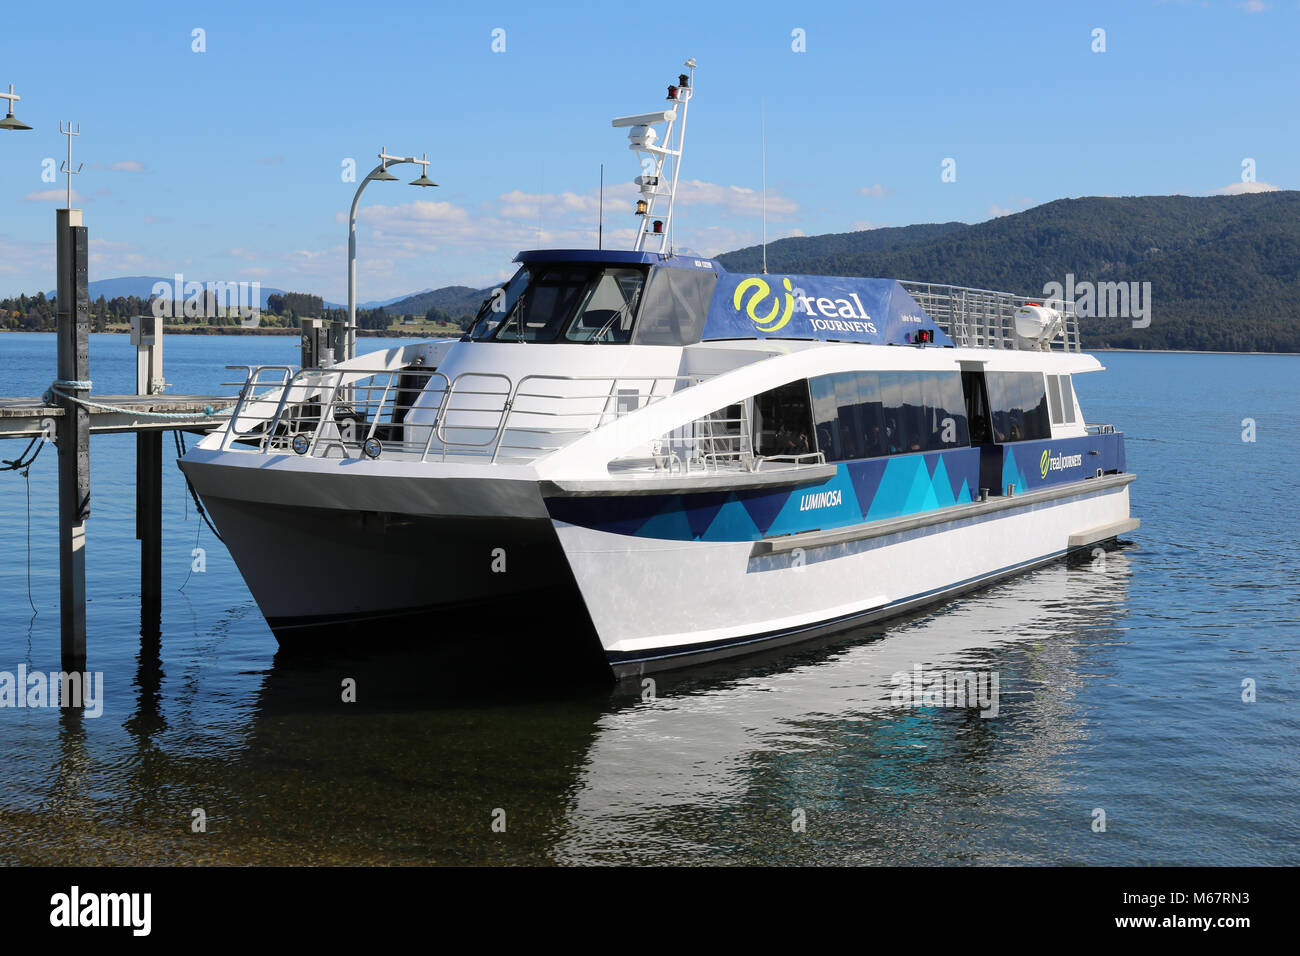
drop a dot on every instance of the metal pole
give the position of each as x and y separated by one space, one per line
350 339
73 433
147 335
349 344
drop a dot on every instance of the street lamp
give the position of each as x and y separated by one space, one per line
9 122
379 174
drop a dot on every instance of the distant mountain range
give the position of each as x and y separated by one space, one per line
142 288
1224 270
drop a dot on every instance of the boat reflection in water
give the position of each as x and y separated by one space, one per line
713 769
726 770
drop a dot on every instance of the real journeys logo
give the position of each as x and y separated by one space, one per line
1047 462
824 314
772 321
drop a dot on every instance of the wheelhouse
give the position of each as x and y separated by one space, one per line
559 297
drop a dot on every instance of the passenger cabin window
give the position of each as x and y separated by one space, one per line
1060 399
783 422
568 303
1019 404
874 414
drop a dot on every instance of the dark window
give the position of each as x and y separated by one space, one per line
607 314
1019 404
574 303
826 417
873 414
783 421
976 407
676 304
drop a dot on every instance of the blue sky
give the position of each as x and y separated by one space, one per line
226 164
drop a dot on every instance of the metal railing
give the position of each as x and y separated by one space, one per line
980 318
716 443
414 413
418 414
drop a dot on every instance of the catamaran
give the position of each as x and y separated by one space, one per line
698 462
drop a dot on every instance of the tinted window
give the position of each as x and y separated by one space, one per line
545 306
676 303
873 414
1019 404
607 314
781 421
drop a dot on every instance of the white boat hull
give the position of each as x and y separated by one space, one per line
675 602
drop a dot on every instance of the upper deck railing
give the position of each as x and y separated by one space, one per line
419 414
983 319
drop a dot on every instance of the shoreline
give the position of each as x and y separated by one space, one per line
220 330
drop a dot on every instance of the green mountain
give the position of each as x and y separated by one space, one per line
800 248
1224 270
455 301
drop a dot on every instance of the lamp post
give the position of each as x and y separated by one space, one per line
9 122
379 174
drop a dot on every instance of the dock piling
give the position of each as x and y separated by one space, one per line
147 336
73 432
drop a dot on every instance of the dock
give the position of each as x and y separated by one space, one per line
135 414
70 412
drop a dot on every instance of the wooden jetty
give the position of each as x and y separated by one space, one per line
29 417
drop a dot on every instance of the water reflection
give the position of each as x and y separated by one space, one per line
716 769
710 770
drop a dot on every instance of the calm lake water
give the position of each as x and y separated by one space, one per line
1120 685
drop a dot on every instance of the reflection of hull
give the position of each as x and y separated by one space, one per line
675 602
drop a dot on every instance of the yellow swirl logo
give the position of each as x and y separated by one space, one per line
774 319
1045 462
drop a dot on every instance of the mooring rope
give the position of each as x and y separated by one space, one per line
180 453
58 385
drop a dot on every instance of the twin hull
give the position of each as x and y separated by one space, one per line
516 565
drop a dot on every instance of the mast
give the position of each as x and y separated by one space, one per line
656 182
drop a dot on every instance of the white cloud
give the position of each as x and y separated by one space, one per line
1253 6
435 243
734 200
1238 189
862 225
52 195
876 190
127 166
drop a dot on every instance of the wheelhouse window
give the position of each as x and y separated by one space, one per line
874 414
610 307
1019 404
562 302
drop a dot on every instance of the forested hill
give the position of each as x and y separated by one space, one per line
1224 270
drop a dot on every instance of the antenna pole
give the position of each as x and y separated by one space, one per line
763 122
600 222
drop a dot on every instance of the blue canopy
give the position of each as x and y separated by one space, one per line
877 311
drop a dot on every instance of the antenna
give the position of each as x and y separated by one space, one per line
600 220
73 129
763 124
660 161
